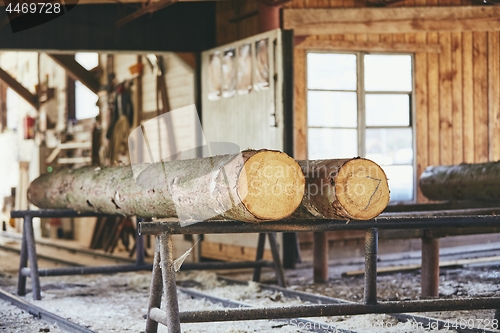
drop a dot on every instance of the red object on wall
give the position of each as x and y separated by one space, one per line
29 128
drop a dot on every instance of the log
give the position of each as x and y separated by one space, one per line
352 189
462 182
252 186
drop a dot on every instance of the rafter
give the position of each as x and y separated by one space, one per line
149 8
21 90
77 71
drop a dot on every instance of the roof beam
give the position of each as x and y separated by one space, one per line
77 71
29 97
331 21
151 8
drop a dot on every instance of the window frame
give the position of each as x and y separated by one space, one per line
361 107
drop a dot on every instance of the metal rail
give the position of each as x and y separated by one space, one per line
44 315
321 310
309 325
28 253
320 299
316 225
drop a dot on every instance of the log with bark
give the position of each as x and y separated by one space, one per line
462 182
253 186
352 189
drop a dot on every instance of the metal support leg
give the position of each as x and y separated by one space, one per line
169 286
32 257
139 245
278 267
430 266
260 254
320 257
155 289
371 250
23 262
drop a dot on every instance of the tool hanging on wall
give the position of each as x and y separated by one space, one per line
122 119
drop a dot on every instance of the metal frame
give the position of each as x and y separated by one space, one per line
172 318
28 254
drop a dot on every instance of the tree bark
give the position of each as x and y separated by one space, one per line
462 182
352 189
253 186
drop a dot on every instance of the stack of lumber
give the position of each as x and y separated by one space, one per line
252 186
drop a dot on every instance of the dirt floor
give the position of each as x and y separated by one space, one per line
118 302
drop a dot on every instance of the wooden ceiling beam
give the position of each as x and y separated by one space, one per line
151 8
77 71
391 20
314 44
21 90
188 57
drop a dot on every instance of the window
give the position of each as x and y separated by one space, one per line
360 104
85 99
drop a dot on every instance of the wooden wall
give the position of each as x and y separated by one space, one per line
457 89
457 104
235 20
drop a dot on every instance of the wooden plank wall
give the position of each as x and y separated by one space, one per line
456 93
235 20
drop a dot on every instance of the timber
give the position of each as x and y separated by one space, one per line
330 21
462 182
253 186
352 189
314 44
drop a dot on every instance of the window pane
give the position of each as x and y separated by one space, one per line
331 71
388 146
400 178
387 110
332 108
388 72
326 143
85 102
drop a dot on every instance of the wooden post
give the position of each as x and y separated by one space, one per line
269 17
320 257
430 265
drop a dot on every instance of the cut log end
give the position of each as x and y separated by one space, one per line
271 185
361 189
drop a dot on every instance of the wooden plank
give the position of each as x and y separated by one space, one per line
386 38
456 101
24 93
76 71
421 113
373 38
433 102
480 73
391 20
361 38
356 45
399 38
300 112
445 98
494 95
229 252
468 98
188 57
